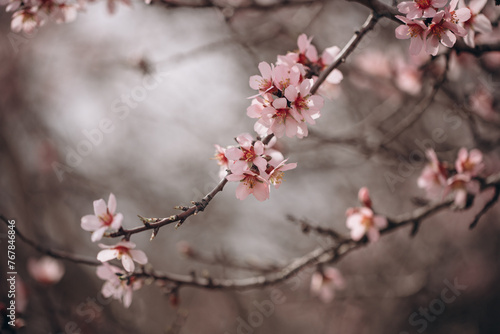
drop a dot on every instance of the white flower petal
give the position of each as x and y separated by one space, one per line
107 255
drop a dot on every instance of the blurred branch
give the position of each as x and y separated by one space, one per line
318 256
369 24
62 255
380 9
418 110
252 5
307 227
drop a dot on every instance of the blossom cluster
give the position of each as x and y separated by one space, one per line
439 180
284 103
119 284
254 165
429 22
28 15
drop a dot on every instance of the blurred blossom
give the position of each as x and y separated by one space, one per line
325 282
46 270
481 102
434 175
117 285
124 251
470 163
375 63
362 221
459 186
477 22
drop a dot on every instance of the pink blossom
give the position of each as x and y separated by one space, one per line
481 102
124 251
460 185
420 8
444 27
325 282
46 270
62 12
117 285
250 183
280 119
408 77
285 76
433 177
27 20
477 22
470 163
246 155
438 31
362 221
364 197
104 218
276 176
306 105
414 29
455 16
264 82
222 160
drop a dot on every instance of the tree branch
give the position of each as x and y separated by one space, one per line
319 255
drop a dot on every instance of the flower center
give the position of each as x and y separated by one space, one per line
121 250
277 177
248 155
415 30
423 4
437 29
106 218
281 114
250 181
300 103
366 222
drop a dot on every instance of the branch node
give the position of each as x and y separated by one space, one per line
155 233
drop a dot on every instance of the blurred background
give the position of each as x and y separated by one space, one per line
133 103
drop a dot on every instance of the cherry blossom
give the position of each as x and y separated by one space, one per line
325 282
104 218
460 185
364 197
420 8
477 22
222 160
441 30
250 183
434 175
124 251
26 20
362 221
470 163
276 176
306 105
246 155
117 285
279 119
264 82
46 270
414 29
